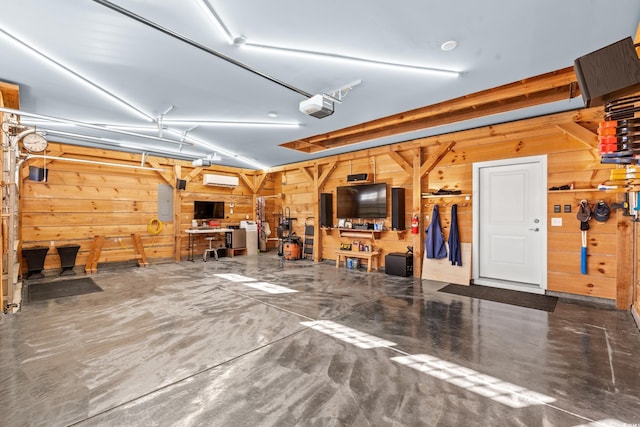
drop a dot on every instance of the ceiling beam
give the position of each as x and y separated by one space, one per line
580 133
538 90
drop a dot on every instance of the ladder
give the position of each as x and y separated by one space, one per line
94 255
139 249
307 248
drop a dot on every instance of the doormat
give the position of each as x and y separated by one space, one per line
505 296
61 288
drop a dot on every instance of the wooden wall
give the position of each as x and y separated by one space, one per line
569 142
81 201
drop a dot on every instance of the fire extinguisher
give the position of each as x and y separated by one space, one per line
415 224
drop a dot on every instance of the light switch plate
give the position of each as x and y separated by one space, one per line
556 222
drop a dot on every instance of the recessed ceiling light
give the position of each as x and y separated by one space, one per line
239 40
449 45
273 114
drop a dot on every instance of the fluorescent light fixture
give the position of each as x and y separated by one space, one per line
48 59
348 58
151 149
229 123
58 120
221 150
213 15
90 162
241 40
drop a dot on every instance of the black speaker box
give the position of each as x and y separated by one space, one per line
357 177
181 184
397 208
608 73
326 210
398 264
38 174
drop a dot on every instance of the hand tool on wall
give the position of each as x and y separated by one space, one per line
584 215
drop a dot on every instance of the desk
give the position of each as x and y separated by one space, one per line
369 256
193 233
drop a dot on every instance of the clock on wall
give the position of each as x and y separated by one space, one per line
34 143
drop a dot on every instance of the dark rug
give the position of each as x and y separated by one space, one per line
61 288
506 296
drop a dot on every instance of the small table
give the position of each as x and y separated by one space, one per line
193 233
371 257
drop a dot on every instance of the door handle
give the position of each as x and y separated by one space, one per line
534 229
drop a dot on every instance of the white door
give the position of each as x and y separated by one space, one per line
509 224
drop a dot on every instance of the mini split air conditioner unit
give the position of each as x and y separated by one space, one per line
220 180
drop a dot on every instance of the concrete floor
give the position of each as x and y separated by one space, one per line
176 345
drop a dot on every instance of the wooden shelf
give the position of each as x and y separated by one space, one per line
364 234
575 190
467 196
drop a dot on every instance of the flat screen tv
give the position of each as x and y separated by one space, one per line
362 201
208 210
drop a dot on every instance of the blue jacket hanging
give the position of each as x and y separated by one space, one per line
434 243
455 255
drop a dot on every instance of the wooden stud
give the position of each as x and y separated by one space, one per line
624 256
582 134
433 161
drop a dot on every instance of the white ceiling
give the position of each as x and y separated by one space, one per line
82 61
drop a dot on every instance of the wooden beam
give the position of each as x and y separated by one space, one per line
195 172
307 175
418 246
260 181
325 174
433 160
396 157
177 215
246 180
317 236
536 90
580 133
487 134
541 83
624 260
168 178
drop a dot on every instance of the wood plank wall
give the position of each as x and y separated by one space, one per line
81 201
571 159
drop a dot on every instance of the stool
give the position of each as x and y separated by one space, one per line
210 249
